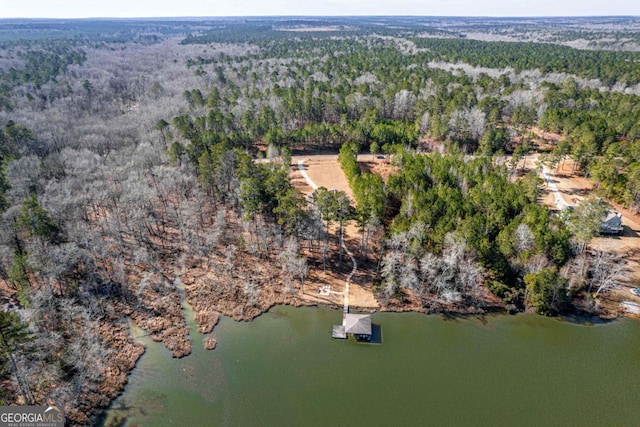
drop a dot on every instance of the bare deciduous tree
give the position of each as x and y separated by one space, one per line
524 238
403 104
606 271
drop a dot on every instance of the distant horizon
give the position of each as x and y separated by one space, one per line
203 17
203 9
214 17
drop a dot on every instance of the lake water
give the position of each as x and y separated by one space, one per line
284 369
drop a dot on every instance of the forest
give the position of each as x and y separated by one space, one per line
147 163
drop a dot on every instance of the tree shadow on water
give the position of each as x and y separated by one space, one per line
584 319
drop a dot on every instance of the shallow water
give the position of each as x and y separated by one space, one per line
284 369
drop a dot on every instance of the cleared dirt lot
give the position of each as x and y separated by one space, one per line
324 170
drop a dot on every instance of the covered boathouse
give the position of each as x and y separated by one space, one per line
359 325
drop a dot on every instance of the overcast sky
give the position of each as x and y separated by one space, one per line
162 8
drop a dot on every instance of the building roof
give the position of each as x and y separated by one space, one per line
612 222
613 217
358 324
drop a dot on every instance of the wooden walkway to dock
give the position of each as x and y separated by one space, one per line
345 308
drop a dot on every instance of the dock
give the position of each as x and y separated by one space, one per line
339 332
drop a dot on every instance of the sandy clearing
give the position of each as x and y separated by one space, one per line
325 171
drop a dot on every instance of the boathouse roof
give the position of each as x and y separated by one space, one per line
358 324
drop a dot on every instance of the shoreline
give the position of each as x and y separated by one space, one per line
98 412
